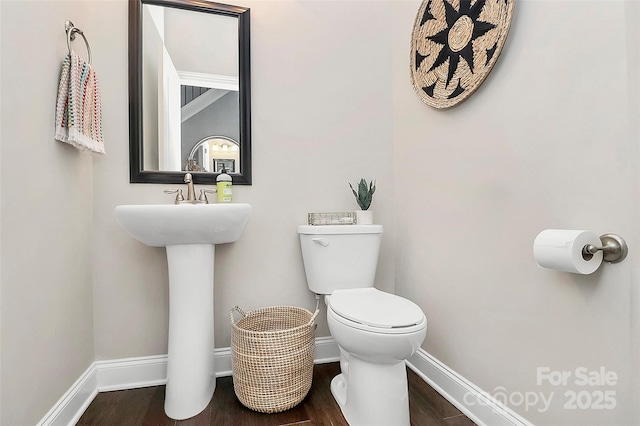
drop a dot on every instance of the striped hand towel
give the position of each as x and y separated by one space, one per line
78 111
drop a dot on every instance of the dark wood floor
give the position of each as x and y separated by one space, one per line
145 406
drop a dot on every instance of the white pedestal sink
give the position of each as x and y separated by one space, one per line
189 232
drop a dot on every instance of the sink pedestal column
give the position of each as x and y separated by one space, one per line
191 377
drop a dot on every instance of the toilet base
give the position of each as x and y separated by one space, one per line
373 394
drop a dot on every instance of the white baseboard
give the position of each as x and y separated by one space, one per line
475 403
141 372
69 409
131 373
326 350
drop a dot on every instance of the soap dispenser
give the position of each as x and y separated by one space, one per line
223 186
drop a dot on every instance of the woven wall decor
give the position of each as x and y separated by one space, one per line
454 46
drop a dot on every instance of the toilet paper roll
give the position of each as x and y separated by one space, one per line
561 249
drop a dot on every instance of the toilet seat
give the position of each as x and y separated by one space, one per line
376 311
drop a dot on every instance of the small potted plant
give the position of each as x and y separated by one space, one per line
364 196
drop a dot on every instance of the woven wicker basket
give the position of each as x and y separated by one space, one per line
272 357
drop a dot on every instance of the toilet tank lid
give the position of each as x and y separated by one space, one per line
376 308
339 229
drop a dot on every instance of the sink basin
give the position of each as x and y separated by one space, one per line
190 233
160 225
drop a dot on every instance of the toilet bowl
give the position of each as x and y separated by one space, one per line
375 331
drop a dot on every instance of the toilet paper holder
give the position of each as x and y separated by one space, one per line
614 249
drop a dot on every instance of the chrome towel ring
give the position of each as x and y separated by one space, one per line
71 31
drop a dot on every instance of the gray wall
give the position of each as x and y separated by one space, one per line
549 141
47 192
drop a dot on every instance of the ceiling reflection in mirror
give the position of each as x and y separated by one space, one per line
193 87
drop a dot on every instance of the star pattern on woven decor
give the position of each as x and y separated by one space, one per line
454 46
467 18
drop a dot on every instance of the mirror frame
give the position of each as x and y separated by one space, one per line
136 158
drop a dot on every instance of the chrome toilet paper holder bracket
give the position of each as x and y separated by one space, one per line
614 249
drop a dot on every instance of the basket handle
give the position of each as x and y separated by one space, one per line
313 317
241 312
237 309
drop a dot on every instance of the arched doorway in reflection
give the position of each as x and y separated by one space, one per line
214 153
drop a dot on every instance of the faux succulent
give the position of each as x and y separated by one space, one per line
364 194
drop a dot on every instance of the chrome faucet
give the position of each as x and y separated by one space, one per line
191 195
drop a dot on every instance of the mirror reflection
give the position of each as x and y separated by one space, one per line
214 154
190 111
190 69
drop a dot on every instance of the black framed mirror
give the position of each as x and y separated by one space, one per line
189 77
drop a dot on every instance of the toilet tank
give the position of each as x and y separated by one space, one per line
340 256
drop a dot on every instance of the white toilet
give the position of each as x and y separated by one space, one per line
376 331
